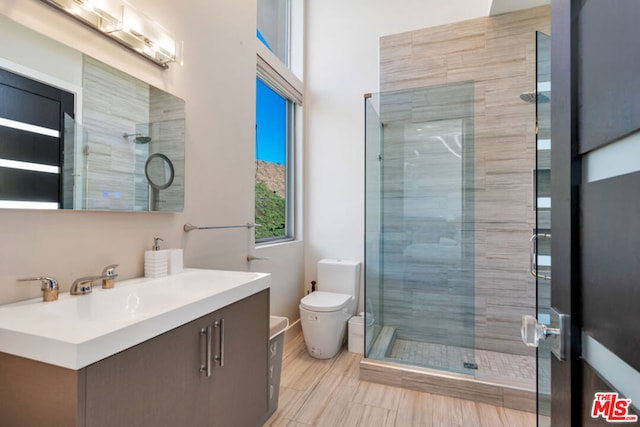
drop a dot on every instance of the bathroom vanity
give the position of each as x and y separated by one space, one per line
188 349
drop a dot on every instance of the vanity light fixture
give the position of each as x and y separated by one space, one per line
121 22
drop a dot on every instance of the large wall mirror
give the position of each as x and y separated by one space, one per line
111 141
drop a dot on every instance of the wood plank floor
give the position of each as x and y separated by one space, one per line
329 393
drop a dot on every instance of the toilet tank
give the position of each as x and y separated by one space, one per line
339 276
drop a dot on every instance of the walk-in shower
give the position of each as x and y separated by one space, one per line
419 226
451 204
425 307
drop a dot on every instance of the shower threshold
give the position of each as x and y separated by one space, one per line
500 379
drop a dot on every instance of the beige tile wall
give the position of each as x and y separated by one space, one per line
114 103
498 54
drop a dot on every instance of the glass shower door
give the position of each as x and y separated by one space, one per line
419 227
541 243
74 165
373 224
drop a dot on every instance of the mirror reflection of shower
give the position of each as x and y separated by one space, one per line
156 164
143 145
138 138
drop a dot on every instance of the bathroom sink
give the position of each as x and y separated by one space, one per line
115 306
76 331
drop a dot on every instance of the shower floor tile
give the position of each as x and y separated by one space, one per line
508 369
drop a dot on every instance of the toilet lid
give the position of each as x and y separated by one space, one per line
324 301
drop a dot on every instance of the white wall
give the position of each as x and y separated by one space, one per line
498 7
217 82
341 66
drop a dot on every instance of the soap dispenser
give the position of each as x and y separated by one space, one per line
156 261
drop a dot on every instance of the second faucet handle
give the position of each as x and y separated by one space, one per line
109 274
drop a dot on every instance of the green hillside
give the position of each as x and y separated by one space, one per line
270 213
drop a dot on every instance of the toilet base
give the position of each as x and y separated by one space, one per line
324 332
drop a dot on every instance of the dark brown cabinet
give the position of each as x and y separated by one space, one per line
165 381
240 384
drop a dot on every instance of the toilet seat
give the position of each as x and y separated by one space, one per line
325 301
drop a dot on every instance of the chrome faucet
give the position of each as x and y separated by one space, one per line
110 274
84 285
49 287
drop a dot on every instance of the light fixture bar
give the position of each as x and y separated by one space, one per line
126 25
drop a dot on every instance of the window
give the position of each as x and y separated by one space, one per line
273 119
278 103
273 27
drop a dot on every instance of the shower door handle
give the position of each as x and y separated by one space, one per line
558 332
533 255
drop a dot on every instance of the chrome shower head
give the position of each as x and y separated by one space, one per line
529 97
139 139
532 97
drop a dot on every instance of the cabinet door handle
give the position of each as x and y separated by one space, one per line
208 331
220 357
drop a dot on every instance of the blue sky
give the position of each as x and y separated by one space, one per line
270 121
270 124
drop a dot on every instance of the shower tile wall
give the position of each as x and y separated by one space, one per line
498 54
166 114
113 104
116 103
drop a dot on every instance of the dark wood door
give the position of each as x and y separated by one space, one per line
31 131
595 107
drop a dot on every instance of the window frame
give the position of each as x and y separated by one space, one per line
281 78
289 175
287 32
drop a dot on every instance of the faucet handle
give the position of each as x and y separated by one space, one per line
110 270
109 274
49 287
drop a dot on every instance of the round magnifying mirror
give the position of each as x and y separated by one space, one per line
159 171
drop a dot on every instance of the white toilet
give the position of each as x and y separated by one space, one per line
324 313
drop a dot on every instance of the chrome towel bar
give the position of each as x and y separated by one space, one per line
189 227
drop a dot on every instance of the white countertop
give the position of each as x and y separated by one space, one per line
76 331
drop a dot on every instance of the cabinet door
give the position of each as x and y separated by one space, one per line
240 385
156 383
